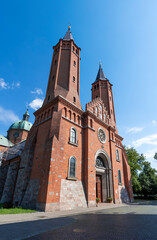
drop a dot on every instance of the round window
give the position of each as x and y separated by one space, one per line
101 135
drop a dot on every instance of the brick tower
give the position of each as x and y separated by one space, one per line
103 88
64 78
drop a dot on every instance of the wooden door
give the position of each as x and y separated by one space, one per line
99 187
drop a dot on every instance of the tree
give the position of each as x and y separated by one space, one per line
135 161
155 156
148 180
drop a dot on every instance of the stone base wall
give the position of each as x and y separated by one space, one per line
123 195
10 182
72 195
3 176
31 194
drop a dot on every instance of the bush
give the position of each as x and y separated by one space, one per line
97 200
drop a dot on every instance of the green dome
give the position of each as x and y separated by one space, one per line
22 124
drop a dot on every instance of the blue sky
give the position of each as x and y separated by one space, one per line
123 34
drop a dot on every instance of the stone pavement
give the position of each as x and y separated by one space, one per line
13 218
136 221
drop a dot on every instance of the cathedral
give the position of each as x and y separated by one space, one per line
69 158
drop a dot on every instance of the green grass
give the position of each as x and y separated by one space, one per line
15 210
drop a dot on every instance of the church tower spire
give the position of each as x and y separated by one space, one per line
103 88
64 78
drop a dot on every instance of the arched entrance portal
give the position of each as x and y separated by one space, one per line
104 184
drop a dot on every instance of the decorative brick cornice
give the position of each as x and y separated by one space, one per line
118 136
57 99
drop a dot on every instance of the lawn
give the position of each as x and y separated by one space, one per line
14 210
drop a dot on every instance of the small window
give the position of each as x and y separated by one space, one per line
100 107
96 96
119 177
74 100
91 123
69 114
73 49
97 85
73 79
73 137
76 51
74 64
53 77
72 167
48 98
104 116
55 62
117 155
96 110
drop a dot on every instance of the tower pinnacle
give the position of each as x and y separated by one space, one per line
68 36
26 116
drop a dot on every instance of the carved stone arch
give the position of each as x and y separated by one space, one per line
103 154
104 174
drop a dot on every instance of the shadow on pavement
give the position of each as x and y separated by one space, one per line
96 225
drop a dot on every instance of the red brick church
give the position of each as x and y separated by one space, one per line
71 156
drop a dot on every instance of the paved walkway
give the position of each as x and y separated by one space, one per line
13 218
110 222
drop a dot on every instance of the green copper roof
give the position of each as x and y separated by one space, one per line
5 142
22 124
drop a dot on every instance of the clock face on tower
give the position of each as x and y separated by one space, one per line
101 135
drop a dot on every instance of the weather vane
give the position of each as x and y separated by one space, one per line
69 25
27 105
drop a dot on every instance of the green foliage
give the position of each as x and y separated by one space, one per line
15 210
148 180
144 178
135 161
109 199
155 156
97 199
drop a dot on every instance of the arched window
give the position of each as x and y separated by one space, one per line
73 135
78 119
100 115
72 167
96 111
104 116
119 177
65 112
117 155
69 114
74 117
99 162
100 107
48 114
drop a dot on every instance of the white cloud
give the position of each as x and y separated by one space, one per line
134 130
14 85
5 85
151 139
7 116
36 103
150 154
37 91
154 122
